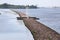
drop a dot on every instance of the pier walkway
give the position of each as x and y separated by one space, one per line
39 30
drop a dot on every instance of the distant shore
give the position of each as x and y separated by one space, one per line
5 5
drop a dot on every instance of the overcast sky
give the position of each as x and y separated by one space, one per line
41 3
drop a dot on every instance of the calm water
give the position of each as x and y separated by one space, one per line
11 28
48 16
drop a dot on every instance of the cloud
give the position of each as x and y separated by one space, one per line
44 3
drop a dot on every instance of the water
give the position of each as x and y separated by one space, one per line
11 28
48 16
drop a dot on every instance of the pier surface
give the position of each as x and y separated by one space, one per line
39 30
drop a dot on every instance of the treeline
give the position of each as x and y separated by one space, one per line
5 5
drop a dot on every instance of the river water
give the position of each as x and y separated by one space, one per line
48 16
11 28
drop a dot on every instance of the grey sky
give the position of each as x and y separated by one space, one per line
41 3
